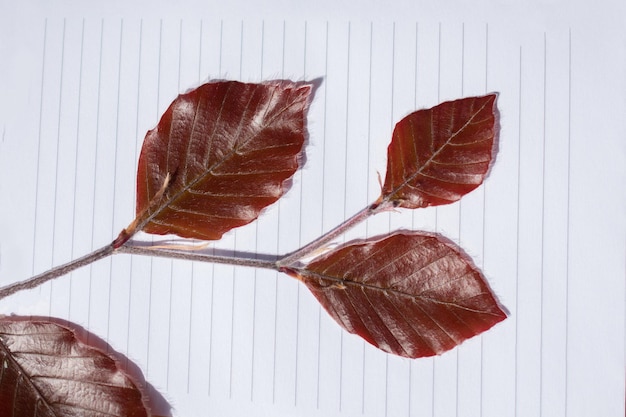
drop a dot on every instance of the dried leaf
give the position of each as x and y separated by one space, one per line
438 155
219 155
409 293
45 371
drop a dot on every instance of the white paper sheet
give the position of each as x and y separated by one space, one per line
81 84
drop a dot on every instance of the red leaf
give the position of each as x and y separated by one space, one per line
47 372
438 155
409 293
219 155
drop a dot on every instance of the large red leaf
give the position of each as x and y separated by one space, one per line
437 155
45 371
219 155
409 293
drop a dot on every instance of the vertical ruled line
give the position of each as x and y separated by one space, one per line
543 212
484 220
200 51
415 92
458 354
169 328
517 233
115 147
369 167
193 264
325 149
130 292
393 76
463 59
221 47
256 247
276 281
234 271
434 375
567 214
56 170
295 402
369 118
171 262
95 168
439 63
438 100
282 69
158 91
76 142
275 330
180 51
410 405
39 140
58 138
137 138
345 197
391 123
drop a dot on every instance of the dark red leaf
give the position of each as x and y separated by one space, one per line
438 155
219 155
409 293
45 371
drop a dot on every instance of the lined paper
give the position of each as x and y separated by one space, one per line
547 227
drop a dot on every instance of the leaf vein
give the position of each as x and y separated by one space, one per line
416 332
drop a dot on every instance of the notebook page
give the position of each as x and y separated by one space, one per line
547 227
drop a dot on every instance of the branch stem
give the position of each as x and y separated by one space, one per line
124 244
44 277
133 249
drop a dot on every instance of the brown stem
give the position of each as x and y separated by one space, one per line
124 244
135 248
57 271
291 258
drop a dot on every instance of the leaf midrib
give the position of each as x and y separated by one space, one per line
347 282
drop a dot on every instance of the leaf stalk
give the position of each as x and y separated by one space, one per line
291 259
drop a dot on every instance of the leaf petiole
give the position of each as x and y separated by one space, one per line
377 207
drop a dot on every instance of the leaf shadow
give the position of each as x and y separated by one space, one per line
153 400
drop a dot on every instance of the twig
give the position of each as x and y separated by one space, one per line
57 271
134 248
124 244
291 258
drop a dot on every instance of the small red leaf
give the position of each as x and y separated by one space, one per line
409 293
220 154
438 155
46 371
